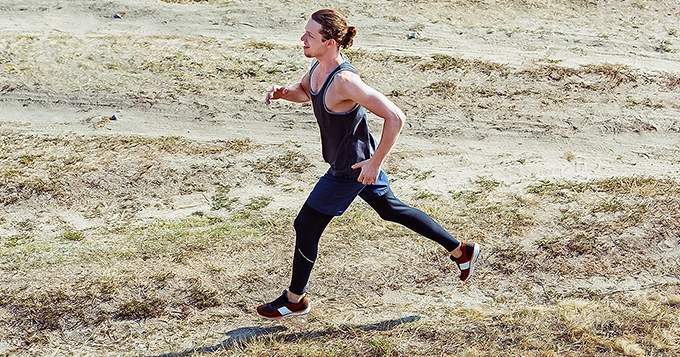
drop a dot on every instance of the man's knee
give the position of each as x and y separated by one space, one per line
309 224
305 218
389 207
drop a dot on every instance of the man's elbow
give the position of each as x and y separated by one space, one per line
399 119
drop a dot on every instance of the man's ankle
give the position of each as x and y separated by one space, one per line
294 298
458 252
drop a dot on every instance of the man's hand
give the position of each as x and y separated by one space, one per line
277 92
369 171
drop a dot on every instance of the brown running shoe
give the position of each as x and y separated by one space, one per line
466 262
281 308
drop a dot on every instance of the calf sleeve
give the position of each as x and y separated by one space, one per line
309 225
391 209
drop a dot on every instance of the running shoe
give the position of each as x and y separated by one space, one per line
281 308
466 262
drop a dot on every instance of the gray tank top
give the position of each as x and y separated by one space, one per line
345 138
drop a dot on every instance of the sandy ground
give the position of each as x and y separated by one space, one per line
582 127
607 137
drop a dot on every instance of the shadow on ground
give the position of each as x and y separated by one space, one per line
246 334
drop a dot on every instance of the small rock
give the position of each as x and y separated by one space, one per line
119 15
412 35
114 117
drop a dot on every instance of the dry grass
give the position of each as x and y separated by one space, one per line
570 328
614 74
569 268
132 67
601 223
290 162
673 81
153 71
444 62
592 224
196 1
476 93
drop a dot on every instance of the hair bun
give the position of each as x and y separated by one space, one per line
349 37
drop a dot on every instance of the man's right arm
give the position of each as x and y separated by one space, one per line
297 93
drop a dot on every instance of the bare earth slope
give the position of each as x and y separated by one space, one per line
547 131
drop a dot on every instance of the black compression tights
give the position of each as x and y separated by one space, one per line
310 224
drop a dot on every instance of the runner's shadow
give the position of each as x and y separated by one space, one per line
240 335
246 334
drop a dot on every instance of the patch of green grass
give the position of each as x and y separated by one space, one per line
221 199
72 234
259 202
24 252
359 224
425 175
17 240
172 239
486 184
469 196
383 347
191 236
424 194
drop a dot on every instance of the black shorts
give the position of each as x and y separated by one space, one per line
333 194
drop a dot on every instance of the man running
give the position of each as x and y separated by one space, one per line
340 100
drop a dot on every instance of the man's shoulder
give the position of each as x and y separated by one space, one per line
347 76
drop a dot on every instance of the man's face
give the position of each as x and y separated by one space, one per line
312 40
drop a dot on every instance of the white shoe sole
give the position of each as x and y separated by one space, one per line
475 254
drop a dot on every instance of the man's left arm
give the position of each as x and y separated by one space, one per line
354 89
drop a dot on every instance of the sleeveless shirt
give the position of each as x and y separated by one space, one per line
345 137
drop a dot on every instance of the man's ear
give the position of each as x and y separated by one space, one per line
331 43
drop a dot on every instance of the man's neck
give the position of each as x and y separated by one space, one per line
328 62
